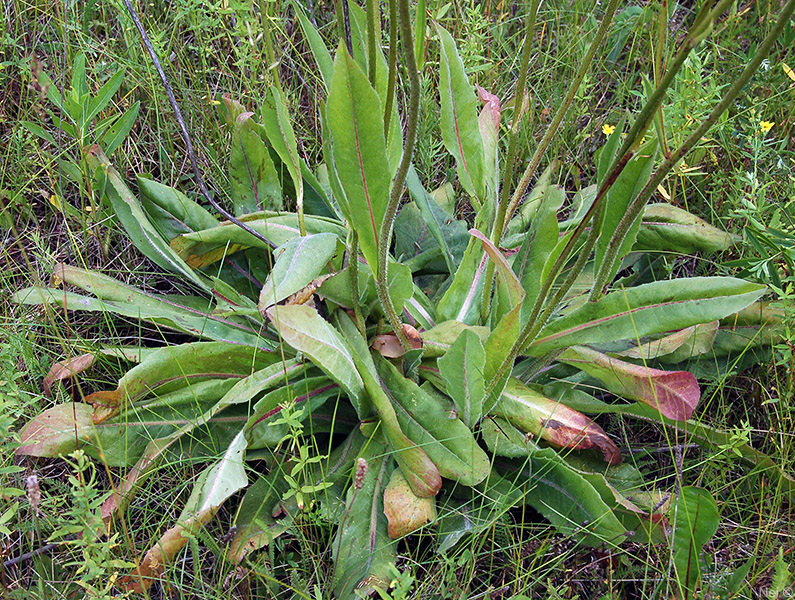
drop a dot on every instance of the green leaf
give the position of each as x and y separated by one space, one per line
665 227
281 136
647 309
119 131
316 45
255 184
135 222
355 120
437 341
298 263
171 211
462 369
428 422
696 519
104 96
362 550
208 246
302 328
626 187
460 130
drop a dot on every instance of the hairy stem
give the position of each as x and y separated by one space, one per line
400 177
390 90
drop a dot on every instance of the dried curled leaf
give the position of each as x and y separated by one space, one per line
66 369
389 346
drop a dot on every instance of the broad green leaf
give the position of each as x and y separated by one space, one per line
696 519
647 309
677 346
666 227
404 511
447 441
171 211
355 120
421 473
460 129
674 393
302 328
565 498
255 184
298 263
135 222
462 369
120 129
208 246
281 136
532 412
626 187
362 550
503 439
437 341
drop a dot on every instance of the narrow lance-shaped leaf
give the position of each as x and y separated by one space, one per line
674 393
462 369
362 550
171 211
460 129
696 519
213 487
135 222
354 117
665 227
255 184
647 309
281 136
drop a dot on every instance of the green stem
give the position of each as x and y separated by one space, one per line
390 90
400 177
511 158
266 13
372 13
561 113
636 207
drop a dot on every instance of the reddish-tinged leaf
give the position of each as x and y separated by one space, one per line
66 369
56 430
530 411
491 104
674 393
404 511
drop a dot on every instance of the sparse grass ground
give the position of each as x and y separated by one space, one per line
740 178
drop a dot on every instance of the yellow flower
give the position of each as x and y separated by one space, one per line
608 129
766 126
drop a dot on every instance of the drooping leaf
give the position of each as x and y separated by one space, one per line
532 412
255 184
647 309
404 511
460 129
462 368
135 222
447 441
297 263
213 487
208 246
355 120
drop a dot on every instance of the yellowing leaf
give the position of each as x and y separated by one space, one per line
788 70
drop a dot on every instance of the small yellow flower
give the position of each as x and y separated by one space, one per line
766 126
608 129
